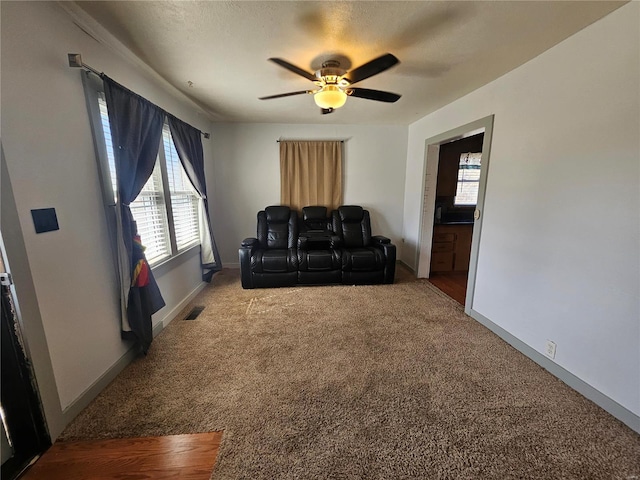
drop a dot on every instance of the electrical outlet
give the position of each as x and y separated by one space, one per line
551 349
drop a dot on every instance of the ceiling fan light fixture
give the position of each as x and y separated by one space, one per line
335 83
331 96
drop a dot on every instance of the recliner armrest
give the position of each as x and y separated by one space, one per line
389 250
336 241
390 264
244 254
381 239
249 242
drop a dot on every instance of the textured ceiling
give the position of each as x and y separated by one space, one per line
446 49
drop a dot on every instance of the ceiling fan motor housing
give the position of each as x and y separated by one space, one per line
330 73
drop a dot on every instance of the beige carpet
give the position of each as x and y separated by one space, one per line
371 382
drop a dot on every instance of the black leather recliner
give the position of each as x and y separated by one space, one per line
315 219
271 260
315 249
366 259
319 258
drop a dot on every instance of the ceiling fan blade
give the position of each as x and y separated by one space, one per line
378 95
326 110
280 95
294 69
371 68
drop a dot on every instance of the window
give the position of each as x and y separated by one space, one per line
184 198
150 213
106 131
166 210
468 179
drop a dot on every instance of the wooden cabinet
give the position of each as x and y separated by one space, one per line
463 248
451 248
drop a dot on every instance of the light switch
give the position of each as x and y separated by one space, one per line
45 220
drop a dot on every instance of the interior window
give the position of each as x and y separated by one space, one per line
468 179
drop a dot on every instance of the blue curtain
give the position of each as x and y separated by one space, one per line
136 128
188 143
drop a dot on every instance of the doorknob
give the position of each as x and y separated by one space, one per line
476 214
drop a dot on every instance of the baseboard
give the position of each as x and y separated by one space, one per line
405 265
157 329
173 313
623 414
86 397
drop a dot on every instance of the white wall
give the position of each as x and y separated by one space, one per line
558 255
246 176
50 158
559 251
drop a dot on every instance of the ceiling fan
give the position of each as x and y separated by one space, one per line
335 83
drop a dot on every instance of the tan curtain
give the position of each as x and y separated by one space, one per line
311 174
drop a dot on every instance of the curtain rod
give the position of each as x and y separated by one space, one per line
331 140
75 61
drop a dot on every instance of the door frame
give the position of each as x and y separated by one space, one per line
26 335
428 197
23 416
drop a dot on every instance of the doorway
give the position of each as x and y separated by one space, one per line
453 200
459 163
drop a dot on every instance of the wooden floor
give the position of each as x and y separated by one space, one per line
453 284
184 457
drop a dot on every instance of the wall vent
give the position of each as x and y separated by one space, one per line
193 314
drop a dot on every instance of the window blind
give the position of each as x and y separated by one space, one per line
468 179
184 198
149 208
149 212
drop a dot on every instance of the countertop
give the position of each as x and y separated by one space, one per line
456 222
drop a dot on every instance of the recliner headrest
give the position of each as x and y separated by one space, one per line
277 213
314 213
351 213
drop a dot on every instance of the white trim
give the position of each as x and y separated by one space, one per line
173 313
86 397
614 408
16 262
487 123
407 266
429 186
427 209
169 263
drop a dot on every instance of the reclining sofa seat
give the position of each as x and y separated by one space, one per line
315 219
315 249
271 260
366 259
319 256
